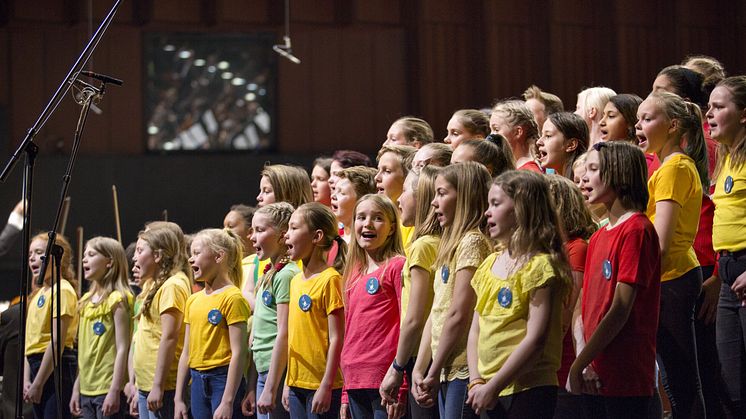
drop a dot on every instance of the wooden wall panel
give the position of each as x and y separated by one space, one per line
378 11
311 11
243 11
180 11
5 70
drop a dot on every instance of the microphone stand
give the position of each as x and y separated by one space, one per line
30 150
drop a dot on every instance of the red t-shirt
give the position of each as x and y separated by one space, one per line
628 253
703 240
371 325
653 163
532 166
576 252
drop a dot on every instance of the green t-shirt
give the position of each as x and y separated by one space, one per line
265 315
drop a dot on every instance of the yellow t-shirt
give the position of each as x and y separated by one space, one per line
38 324
406 235
502 305
421 254
677 180
173 294
208 317
729 223
470 253
97 348
249 267
311 302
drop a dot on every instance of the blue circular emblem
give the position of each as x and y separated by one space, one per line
607 269
99 329
214 316
728 184
372 285
267 298
505 297
304 302
40 302
444 273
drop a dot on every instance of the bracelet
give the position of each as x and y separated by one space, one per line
474 382
397 367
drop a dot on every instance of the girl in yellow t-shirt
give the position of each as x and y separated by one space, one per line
41 333
104 333
316 315
515 341
417 281
459 205
159 257
215 335
665 122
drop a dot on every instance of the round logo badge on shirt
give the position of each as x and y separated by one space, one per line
505 297
40 302
728 184
372 285
267 298
444 273
214 316
304 302
99 329
607 269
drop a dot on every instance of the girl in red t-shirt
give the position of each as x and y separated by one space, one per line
615 365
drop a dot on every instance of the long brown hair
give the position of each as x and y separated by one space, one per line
115 278
164 242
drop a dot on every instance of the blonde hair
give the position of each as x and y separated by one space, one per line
471 181
66 268
357 261
362 178
164 242
319 217
184 244
571 208
415 129
516 113
441 154
538 228
595 97
474 121
552 103
404 153
497 158
115 278
279 214
290 184
712 70
736 85
423 185
224 241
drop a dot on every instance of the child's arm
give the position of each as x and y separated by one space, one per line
483 397
75 398
459 315
130 389
181 411
237 334
170 325
568 311
322 398
666 214
607 330
34 391
278 362
122 344
578 335
424 356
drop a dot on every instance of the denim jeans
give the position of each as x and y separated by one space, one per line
90 407
452 400
414 410
366 404
676 345
47 407
279 412
534 403
730 335
301 401
207 392
165 412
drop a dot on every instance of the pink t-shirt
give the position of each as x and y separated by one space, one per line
371 325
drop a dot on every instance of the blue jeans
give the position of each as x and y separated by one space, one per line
47 407
676 345
414 410
730 335
301 401
207 392
452 400
279 412
366 404
90 407
165 412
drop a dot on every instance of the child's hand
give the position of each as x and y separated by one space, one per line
134 410
75 403
224 411
155 399
248 406
739 286
322 399
591 381
266 402
286 398
396 410
110 407
481 398
180 410
420 392
32 393
390 385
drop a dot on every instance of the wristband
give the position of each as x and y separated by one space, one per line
474 382
397 367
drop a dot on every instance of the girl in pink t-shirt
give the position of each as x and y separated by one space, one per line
372 293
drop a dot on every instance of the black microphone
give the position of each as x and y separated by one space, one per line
102 77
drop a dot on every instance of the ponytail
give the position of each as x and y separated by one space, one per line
340 260
696 145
